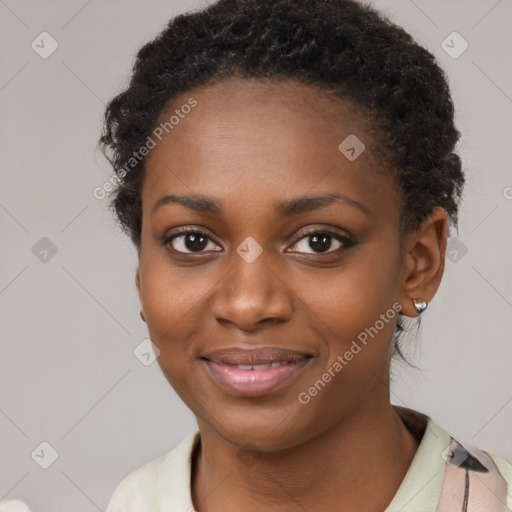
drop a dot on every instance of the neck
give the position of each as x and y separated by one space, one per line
356 465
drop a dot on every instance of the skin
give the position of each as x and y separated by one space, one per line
250 144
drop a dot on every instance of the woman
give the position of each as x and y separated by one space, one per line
286 171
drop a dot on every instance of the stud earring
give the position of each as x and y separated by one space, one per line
142 317
420 305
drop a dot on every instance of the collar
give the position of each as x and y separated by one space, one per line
418 492
421 487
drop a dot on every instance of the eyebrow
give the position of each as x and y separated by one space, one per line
284 208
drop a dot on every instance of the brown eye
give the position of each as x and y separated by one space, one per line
190 242
321 242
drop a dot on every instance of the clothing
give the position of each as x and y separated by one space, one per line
444 476
13 506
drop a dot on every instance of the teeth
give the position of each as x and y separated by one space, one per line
261 366
266 366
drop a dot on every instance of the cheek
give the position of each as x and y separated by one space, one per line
358 310
359 306
173 301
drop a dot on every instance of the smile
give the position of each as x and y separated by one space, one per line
251 380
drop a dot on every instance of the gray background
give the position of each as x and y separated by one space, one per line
70 321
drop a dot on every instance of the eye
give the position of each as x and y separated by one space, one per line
320 241
189 241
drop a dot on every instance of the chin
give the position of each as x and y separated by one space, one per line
262 432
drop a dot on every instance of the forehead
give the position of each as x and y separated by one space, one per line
261 105
261 139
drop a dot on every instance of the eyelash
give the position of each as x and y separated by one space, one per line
344 240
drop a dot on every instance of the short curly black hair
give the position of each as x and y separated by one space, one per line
342 47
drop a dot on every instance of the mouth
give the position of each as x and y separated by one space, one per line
256 372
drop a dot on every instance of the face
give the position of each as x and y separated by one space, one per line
262 266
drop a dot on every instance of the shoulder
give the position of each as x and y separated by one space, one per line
450 474
503 466
503 469
474 478
162 482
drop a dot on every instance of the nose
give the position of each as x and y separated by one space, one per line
252 294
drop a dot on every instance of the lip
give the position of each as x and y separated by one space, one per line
233 369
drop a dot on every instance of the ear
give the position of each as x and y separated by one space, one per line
424 260
137 285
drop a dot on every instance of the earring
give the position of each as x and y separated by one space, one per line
142 317
420 305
